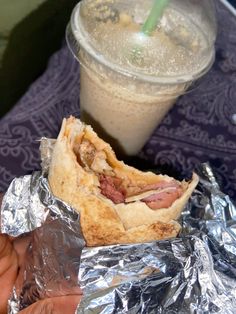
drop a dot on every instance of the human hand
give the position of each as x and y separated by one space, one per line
12 255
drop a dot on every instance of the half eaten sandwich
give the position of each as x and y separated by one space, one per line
117 203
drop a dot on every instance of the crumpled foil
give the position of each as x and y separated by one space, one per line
53 256
194 273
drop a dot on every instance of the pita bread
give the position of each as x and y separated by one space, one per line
79 160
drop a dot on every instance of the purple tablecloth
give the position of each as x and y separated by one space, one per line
201 127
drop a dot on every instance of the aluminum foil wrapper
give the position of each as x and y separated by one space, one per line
53 232
194 273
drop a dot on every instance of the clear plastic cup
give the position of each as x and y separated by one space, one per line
131 76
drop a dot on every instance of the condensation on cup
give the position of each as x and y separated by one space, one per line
131 76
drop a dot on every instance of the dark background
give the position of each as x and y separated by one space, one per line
233 2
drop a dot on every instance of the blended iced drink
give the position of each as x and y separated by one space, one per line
131 72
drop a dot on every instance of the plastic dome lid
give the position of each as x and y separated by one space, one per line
158 40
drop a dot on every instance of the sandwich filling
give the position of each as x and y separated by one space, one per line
118 188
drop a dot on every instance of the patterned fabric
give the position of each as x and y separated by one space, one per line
201 127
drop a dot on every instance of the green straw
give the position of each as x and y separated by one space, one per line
149 26
154 16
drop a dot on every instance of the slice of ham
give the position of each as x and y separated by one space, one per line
148 195
163 198
112 189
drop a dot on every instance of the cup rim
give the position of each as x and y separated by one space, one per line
79 36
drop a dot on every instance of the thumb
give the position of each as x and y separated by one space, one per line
8 270
57 305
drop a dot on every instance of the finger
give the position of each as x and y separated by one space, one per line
8 270
63 290
58 305
20 245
